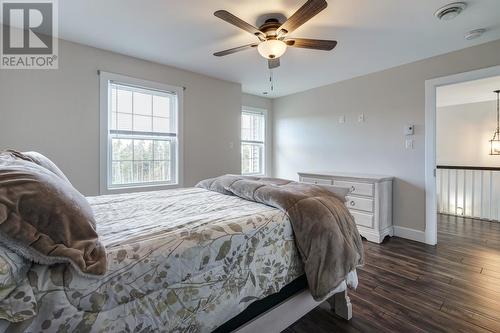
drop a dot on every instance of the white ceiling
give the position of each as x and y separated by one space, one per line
468 92
373 35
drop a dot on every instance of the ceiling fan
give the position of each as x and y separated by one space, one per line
273 35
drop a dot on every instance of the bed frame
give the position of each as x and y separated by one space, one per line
292 309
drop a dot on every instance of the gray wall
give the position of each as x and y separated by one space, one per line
307 135
257 101
463 133
56 112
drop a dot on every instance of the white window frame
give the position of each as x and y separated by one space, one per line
267 137
105 78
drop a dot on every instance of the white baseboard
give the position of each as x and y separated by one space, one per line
412 234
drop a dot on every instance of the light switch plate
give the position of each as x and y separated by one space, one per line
341 119
361 118
409 143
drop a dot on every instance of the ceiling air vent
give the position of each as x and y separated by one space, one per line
450 11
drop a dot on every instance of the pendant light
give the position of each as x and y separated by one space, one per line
495 142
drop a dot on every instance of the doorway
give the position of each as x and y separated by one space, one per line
432 173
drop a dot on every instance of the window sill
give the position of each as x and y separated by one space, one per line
140 188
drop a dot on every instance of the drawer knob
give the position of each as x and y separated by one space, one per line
352 203
353 189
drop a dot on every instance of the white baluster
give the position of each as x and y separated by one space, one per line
449 190
481 200
464 194
473 188
491 196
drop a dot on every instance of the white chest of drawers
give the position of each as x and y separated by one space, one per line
369 200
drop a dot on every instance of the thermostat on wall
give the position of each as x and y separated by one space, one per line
409 129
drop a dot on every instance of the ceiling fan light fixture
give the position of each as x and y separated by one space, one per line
272 48
275 29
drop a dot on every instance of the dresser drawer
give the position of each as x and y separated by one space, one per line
317 181
363 219
356 188
369 200
356 203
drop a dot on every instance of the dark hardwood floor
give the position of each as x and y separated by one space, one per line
407 286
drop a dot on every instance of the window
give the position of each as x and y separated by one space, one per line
139 125
253 141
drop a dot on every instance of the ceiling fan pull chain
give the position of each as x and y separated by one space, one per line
271 79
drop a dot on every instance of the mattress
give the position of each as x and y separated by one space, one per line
178 260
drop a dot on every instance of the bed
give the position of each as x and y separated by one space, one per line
184 260
178 260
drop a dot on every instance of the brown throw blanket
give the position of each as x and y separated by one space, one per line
325 232
43 218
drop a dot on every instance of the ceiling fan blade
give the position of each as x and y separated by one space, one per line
316 44
301 16
273 63
235 49
236 21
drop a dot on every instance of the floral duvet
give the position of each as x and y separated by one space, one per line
182 260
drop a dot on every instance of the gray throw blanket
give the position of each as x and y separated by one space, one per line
325 233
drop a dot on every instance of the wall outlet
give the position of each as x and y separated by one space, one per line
361 118
341 119
231 145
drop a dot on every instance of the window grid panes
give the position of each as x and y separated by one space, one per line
138 111
252 143
143 136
